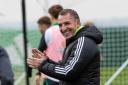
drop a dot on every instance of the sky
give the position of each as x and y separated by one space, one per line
95 10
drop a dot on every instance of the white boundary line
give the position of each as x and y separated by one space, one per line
117 73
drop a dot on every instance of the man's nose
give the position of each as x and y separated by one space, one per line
63 27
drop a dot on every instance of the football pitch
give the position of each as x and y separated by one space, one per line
107 72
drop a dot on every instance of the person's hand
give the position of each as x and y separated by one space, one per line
38 54
43 76
34 62
38 58
37 79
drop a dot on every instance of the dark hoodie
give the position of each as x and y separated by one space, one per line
91 32
81 60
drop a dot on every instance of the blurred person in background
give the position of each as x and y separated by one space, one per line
6 72
44 23
52 41
81 59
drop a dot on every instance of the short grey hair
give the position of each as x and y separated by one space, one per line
72 12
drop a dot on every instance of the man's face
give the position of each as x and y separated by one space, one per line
67 25
42 27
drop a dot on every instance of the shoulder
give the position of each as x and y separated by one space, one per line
86 42
49 30
2 49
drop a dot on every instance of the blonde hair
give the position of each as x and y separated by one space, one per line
88 24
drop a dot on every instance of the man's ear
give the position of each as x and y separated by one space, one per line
77 21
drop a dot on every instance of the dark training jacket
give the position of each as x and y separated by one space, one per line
81 60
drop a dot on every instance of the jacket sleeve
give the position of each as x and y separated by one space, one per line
81 55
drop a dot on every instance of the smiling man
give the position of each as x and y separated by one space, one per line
81 60
69 23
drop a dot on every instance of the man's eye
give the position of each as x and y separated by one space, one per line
66 23
60 25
